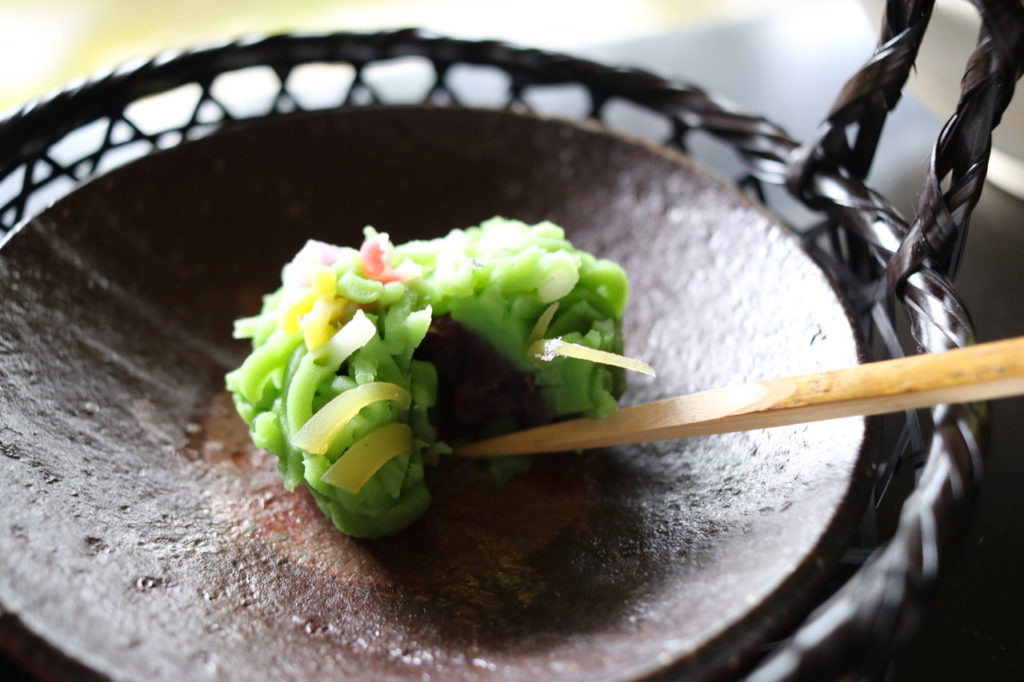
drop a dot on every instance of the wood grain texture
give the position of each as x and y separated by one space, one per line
981 372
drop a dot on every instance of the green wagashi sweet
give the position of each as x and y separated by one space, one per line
352 354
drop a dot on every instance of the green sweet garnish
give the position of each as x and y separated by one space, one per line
334 385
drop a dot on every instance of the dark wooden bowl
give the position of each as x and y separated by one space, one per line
143 537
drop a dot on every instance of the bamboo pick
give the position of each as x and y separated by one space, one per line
980 372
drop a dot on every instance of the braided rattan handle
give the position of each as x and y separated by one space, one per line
880 605
962 151
865 101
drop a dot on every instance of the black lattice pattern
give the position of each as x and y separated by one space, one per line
100 124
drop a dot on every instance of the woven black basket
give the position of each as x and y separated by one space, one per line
891 271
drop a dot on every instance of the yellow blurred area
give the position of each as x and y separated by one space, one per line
45 43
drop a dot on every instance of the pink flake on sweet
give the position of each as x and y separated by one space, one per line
375 253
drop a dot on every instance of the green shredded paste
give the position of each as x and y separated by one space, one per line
496 280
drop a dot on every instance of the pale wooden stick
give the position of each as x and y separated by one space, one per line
980 372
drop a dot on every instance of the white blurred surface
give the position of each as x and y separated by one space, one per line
44 43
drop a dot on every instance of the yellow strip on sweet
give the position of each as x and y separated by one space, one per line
547 349
317 434
362 460
324 281
294 308
318 323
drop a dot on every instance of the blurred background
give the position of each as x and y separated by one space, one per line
44 43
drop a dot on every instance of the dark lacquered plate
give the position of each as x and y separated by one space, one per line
143 538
